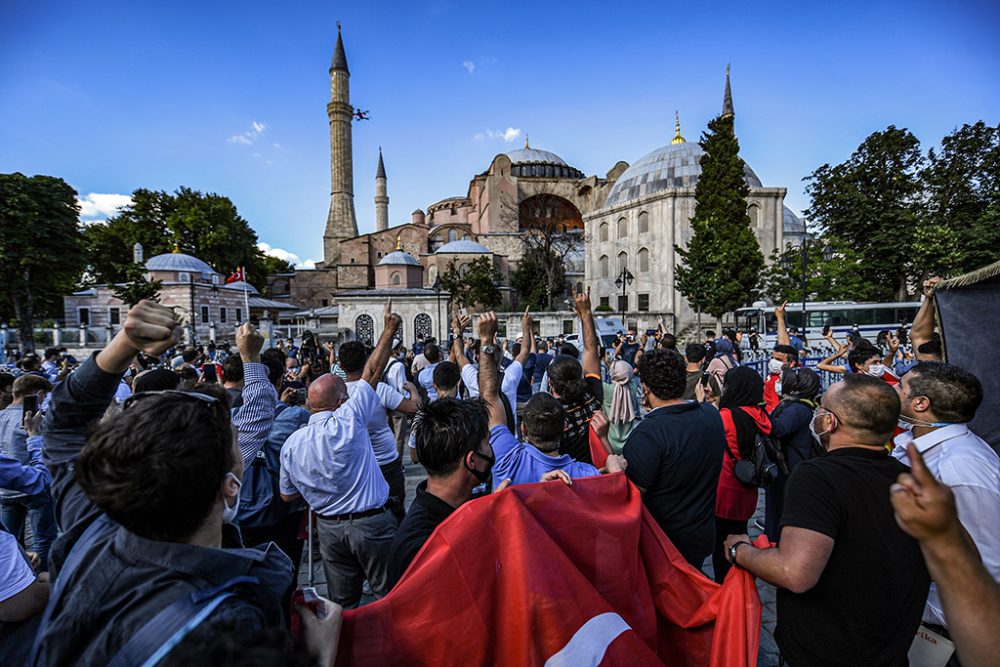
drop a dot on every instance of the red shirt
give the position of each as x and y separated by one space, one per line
734 500
771 398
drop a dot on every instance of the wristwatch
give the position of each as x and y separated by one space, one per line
490 350
732 550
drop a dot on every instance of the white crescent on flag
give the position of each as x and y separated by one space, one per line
587 646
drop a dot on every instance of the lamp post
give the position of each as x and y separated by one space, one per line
623 280
786 264
437 294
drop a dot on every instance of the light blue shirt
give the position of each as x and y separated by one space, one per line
330 461
426 380
523 463
383 440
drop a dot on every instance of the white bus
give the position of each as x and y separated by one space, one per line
842 317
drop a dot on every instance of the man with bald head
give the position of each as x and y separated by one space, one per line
851 584
331 464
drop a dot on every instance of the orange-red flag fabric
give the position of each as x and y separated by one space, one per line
550 574
598 453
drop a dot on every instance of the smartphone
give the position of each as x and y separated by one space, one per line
651 332
826 330
300 396
704 379
208 373
463 312
30 404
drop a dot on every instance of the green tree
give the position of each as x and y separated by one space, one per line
873 201
472 284
137 287
40 248
538 271
720 268
207 226
834 280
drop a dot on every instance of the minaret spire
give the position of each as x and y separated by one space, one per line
727 101
339 57
381 196
341 222
678 139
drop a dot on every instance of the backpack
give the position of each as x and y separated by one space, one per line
759 469
815 448
260 498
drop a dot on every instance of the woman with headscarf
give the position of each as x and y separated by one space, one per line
790 427
743 416
621 404
723 362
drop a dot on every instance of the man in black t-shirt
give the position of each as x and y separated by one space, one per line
851 584
675 456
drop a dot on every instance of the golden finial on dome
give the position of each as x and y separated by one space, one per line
678 139
177 248
399 242
526 140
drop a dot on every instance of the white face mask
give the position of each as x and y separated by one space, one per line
817 436
775 366
777 387
229 513
876 370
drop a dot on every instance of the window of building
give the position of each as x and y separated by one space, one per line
183 277
643 260
579 288
222 314
326 302
604 266
364 329
239 315
622 228
114 316
204 314
452 235
604 231
643 303
643 222
753 212
395 279
84 316
215 279
622 302
568 327
422 326
622 260
605 302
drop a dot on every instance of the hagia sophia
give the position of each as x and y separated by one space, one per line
630 219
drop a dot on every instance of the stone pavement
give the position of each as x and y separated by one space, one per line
767 656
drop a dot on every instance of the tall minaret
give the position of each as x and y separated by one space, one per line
340 223
381 196
727 101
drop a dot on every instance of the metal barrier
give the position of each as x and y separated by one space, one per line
757 360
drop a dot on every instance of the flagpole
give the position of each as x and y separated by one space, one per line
246 293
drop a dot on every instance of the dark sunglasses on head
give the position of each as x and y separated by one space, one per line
191 395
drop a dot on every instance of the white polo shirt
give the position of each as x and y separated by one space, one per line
330 460
383 440
962 461
15 572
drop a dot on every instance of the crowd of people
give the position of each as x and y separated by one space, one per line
155 497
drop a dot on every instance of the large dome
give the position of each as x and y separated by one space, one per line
534 162
534 155
178 261
674 166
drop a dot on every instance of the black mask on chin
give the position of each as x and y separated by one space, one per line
484 476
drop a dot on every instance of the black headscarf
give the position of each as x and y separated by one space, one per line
744 387
800 383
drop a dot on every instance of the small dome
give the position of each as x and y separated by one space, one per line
241 286
463 246
791 223
399 257
674 166
178 261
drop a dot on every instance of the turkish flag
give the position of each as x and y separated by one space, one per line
238 275
550 574
598 452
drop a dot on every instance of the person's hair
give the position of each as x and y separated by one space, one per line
664 372
445 430
228 644
867 404
189 377
51 352
544 420
709 334
668 341
30 384
30 362
566 378
861 354
189 354
155 379
800 382
569 350
543 346
274 360
232 368
432 353
446 375
156 467
730 334
695 352
954 392
930 347
792 353
352 356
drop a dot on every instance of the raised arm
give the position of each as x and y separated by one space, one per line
526 333
779 316
922 330
458 324
253 419
591 361
892 343
32 478
489 375
380 356
827 364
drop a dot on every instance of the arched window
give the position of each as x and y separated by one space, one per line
394 279
422 326
364 330
643 222
753 212
604 266
604 231
643 261
622 228
452 235
622 260
579 288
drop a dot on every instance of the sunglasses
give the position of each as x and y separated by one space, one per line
189 395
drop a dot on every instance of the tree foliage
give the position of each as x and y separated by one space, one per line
137 287
472 284
540 278
207 226
835 280
721 265
40 248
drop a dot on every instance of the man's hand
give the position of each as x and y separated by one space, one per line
842 349
929 286
151 327
502 485
779 312
599 422
392 320
249 342
925 509
557 474
459 323
322 635
288 395
526 326
615 463
733 539
893 343
487 327
581 302
33 422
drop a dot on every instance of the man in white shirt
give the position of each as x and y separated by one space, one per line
22 599
425 378
331 464
937 400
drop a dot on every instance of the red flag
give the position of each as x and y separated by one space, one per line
549 574
598 452
238 275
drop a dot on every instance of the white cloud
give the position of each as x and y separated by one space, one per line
511 133
247 138
95 205
469 65
508 135
239 139
308 264
289 257
258 127
478 136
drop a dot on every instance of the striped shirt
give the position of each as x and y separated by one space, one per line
254 418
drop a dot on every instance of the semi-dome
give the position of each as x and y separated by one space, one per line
462 246
674 166
791 223
399 257
241 286
178 261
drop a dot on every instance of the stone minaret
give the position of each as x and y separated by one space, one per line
340 223
381 197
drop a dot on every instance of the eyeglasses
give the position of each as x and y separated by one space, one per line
191 395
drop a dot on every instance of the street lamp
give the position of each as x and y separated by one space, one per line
786 264
437 293
623 280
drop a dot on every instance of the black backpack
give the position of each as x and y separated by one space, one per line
763 464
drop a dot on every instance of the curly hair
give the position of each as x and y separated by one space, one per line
664 373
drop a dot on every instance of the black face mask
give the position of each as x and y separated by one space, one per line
484 476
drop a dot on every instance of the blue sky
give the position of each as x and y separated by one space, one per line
115 96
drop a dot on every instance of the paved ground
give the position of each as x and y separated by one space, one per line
766 657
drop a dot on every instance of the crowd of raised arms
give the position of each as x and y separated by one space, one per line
155 498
